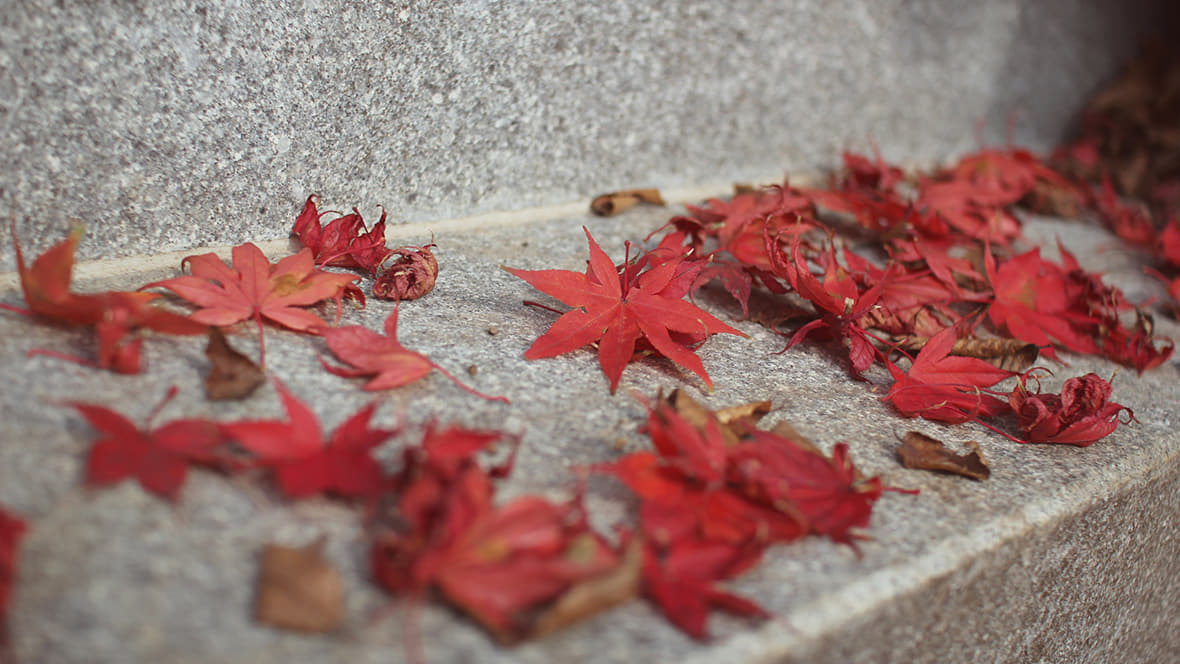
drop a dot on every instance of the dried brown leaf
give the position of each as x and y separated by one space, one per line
608 205
920 451
1007 354
593 595
232 375
298 590
744 416
1054 200
734 421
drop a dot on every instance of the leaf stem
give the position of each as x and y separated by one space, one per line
261 339
468 388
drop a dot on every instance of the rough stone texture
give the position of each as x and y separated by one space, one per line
1065 554
174 124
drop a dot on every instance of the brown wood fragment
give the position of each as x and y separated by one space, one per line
232 375
298 590
917 450
608 205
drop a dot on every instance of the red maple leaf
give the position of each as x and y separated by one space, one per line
1031 303
344 241
839 302
499 564
828 493
115 315
12 529
304 464
682 578
618 308
383 357
1128 221
957 202
944 387
709 506
1080 415
158 458
253 288
1003 177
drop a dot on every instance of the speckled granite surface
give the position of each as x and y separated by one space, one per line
174 124
1065 554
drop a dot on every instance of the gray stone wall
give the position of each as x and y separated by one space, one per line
173 124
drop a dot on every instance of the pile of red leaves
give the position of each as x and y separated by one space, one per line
507 566
1129 144
403 273
950 278
717 491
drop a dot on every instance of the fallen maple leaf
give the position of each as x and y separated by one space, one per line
158 458
253 288
304 464
682 582
115 315
838 300
617 310
298 589
344 241
1006 354
944 387
1032 305
1080 415
383 357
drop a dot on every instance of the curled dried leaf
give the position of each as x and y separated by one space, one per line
232 375
608 205
594 595
923 452
299 590
409 276
734 421
1007 354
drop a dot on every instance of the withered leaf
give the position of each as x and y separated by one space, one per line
1007 354
406 273
743 417
593 595
734 421
232 375
608 205
920 451
1052 199
299 590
